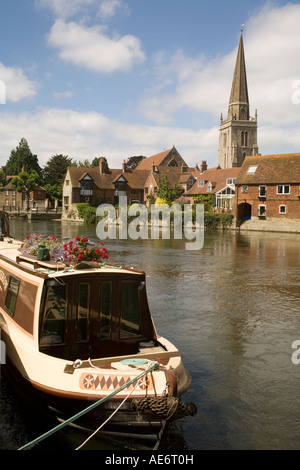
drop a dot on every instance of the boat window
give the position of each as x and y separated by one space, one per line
83 311
105 310
130 309
12 294
53 329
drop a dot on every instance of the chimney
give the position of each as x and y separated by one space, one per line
154 168
124 166
203 166
101 166
183 168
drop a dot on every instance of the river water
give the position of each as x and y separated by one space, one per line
232 308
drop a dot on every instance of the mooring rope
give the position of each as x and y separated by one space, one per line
153 366
103 424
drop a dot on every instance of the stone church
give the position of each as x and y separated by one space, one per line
238 133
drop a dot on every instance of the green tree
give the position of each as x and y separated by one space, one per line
3 180
54 173
167 193
26 182
22 158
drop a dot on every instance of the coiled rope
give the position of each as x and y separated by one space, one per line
152 366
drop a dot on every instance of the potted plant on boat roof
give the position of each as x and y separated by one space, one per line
75 252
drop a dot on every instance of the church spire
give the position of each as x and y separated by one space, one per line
238 133
239 102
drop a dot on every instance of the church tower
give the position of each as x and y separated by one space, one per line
238 134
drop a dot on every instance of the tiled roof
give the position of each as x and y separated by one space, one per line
135 178
271 169
173 174
157 159
217 177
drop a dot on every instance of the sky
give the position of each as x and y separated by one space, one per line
121 78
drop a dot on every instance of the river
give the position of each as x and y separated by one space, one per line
232 308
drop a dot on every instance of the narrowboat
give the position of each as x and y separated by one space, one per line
75 335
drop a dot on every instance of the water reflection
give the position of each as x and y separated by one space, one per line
232 308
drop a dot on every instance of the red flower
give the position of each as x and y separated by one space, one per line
97 251
94 259
77 238
28 236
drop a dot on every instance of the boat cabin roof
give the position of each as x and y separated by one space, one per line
9 252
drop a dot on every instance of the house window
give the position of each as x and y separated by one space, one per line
283 189
67 182
244 188
262 191
209 187
252 169
12 294
261 210
230 180
201 183
282 209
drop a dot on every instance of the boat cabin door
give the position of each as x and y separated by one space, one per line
94 317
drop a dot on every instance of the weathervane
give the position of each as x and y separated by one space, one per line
242 27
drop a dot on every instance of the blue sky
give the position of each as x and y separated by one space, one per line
119 78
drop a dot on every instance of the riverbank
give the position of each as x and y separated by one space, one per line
36 215
270 225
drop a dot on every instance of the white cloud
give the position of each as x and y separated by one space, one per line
65 8
92 49
271 41
90 134
63 94
17 86
109 8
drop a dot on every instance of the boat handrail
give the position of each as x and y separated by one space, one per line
24 268
106 361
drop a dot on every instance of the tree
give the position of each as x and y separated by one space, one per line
54 173
26 182
3 180
133 162
22 158
166 193
96 161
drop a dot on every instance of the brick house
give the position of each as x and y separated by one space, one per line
268 188
11 200
217 181
98 185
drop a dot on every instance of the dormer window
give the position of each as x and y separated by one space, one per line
201 183
86 188
230 180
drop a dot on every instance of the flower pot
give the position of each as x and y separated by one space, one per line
43 253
